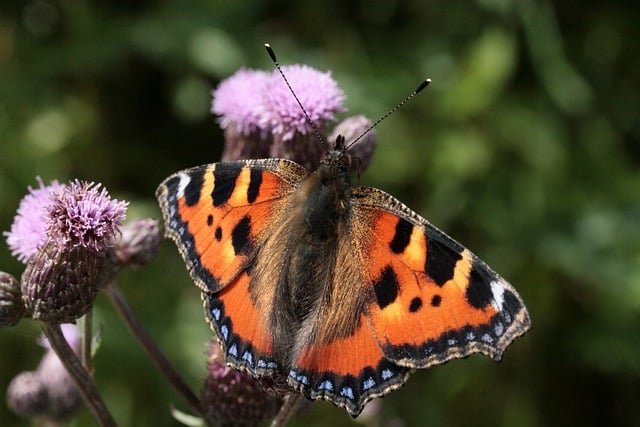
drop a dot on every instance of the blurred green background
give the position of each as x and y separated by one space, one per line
525 148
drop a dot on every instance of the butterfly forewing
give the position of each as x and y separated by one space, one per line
214 212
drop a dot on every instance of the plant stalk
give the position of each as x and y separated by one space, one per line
81 377
150 347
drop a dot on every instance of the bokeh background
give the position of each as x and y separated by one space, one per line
525 148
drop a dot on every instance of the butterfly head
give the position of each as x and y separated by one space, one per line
337 159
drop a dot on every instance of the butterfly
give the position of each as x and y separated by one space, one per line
339 290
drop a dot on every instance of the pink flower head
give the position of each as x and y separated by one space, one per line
79 213
318 93
256 100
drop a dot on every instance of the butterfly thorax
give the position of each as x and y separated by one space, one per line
327 192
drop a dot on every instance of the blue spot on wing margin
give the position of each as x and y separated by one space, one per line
238 352
348 391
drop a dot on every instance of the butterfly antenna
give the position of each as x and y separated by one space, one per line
272 54
422 85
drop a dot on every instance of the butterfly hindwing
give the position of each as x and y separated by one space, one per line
240 327
344 363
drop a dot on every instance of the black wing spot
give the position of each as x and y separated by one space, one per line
511 303
225 176
255 182
386 288
218 234
210 220
478 293
415 305
240 236
194 187
441 261
402 236
436 301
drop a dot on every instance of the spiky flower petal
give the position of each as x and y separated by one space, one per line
84 215
318 93
29 228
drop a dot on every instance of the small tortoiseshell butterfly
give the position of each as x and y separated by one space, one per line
341 290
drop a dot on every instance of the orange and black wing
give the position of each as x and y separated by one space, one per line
431 299
218 215
215 214
420 298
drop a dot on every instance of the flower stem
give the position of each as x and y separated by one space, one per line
86 338
150 347
80 375
292 402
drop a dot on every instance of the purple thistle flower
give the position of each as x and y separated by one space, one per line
29 228
318 93
261 117
253 100
83 214
70 254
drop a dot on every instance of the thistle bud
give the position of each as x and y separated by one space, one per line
64 397
49 392
59 283
27 396
11 307
138 243
234 398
